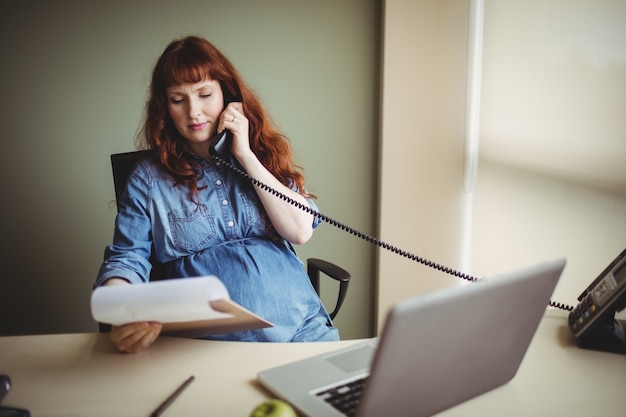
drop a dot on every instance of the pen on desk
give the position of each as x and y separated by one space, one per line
169 400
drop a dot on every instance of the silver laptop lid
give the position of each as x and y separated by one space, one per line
446 347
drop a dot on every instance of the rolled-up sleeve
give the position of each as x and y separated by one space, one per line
129 255
317 220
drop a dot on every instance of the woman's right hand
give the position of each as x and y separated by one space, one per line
134 337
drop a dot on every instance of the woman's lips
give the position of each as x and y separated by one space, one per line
198 126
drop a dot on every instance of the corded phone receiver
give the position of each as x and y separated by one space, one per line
222 143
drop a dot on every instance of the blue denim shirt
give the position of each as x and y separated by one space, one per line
225 235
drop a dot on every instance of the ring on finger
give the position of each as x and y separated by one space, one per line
233 118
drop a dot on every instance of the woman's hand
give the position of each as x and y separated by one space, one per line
134 337
235 121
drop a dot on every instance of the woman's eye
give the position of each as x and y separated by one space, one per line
176 100
205 95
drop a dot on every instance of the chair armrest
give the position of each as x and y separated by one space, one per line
315 266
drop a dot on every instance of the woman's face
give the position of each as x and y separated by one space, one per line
195 110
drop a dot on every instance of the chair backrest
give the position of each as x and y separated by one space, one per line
122 164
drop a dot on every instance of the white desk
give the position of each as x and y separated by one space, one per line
82 375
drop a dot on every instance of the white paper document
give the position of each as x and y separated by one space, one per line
168 301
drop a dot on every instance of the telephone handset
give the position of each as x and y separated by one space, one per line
224 138
221 144
593 321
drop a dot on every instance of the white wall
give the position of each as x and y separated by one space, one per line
422 202
551 179
554 84
73 78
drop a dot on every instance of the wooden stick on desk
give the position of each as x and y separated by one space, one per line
161 408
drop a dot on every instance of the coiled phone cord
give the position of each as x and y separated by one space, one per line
366 237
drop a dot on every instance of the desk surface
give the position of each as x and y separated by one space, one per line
82 375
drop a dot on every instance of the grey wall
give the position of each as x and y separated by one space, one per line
73 79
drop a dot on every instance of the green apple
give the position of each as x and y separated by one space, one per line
273 408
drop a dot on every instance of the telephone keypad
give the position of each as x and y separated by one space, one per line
583 312
599 302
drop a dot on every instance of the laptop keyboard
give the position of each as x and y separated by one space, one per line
344 397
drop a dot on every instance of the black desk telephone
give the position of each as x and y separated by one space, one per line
592 321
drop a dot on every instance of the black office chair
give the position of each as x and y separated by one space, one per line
122 164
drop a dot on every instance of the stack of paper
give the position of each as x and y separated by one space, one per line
189 307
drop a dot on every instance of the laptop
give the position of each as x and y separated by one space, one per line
435 351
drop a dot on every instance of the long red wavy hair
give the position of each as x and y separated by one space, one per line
190 60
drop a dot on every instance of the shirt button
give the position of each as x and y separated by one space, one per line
231 223
218 182
224 202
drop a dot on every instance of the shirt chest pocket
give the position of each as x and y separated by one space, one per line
254 218
192 227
